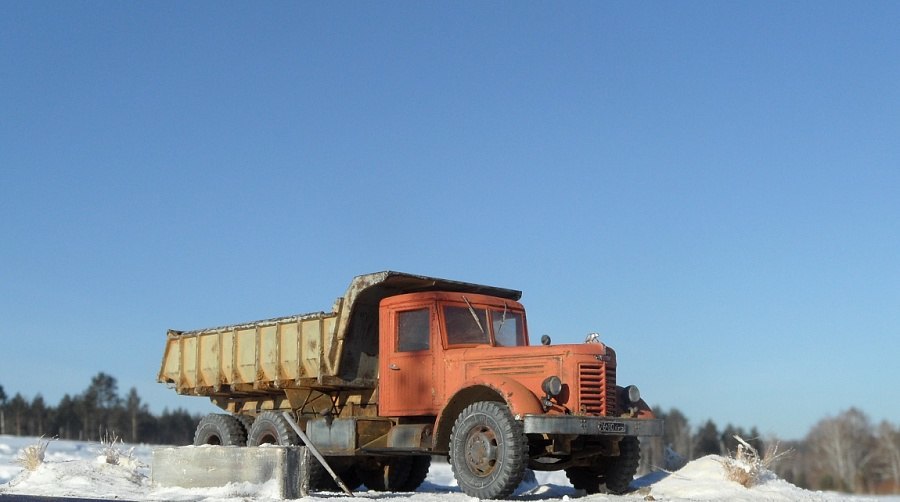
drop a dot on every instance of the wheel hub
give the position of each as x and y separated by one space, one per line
481 451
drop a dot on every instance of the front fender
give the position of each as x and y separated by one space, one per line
520 400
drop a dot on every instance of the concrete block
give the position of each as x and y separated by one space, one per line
211 466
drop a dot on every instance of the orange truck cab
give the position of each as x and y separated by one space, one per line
442 353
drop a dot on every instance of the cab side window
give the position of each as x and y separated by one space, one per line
413 330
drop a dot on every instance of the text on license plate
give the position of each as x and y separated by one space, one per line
610 427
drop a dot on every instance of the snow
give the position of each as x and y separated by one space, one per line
80 469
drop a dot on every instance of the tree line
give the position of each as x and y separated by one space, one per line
846 453
98 412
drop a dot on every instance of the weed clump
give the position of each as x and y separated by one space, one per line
32 456
747 467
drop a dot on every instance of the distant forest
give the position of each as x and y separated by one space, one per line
98 412
847 452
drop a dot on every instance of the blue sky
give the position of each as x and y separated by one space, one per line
712 186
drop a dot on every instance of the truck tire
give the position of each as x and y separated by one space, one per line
271 428
246 422
584 478
620 471
418 471
220 429
488 450
387 475
398 474
350 477
614 472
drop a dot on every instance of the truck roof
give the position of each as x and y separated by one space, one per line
390 283
367 290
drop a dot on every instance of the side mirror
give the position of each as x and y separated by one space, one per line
545 339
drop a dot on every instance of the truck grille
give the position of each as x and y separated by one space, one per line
597 389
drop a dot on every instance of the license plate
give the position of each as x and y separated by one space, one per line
616 427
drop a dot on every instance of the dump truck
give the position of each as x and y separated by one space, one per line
406 367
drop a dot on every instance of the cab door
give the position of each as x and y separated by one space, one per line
407 383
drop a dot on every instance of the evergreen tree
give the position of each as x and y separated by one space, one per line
756 440
38 416
706 442
99 406
2 409
18 408
677 433
177 427
66 421
728 442
134 410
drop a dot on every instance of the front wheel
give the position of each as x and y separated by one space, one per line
616 473
488 450
621 470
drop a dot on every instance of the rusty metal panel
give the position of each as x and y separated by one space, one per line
338 436
268 353
208 360
289 353
246 355
410 436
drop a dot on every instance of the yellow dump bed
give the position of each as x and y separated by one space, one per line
323 349
263 354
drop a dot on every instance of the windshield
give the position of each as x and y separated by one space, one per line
467 326
507 328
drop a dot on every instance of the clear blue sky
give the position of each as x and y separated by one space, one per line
712 186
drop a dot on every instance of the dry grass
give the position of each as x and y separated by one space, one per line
110 445
747 467
32 456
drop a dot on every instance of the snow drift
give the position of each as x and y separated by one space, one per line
72 468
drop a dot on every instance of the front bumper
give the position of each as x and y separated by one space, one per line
592 426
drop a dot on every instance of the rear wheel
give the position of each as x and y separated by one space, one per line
418 471
350 477
271 427
488 450
220 429
246 422
387 475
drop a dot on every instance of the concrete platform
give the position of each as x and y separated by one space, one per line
212 466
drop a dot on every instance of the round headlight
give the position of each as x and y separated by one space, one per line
634 394
552 385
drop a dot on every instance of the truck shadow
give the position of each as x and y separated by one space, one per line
525 493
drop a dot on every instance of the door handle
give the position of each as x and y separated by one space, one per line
394 367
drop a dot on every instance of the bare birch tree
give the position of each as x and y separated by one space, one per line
842 448
888 438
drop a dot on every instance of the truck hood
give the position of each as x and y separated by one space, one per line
587 372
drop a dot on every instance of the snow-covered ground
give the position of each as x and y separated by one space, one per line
81 469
